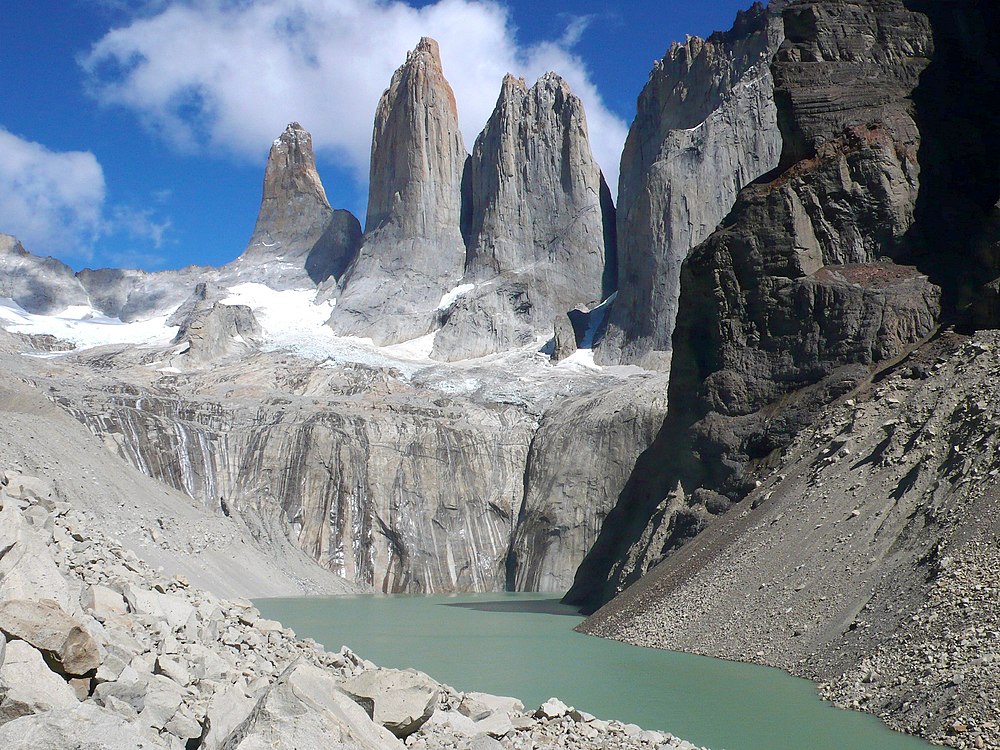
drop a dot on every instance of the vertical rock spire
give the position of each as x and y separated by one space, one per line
706 126
298 234
413 251
538 218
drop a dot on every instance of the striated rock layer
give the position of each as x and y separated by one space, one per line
706 126
413 250
794 300
541 226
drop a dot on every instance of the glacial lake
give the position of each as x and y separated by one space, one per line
524 645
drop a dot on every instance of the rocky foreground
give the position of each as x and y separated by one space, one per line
101 651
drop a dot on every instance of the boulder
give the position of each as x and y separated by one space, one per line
45 625
402 700
553 708
304 709
103 602
83 726
177 612
28 686
31 489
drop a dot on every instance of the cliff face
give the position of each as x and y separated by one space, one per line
795 299
541 216
386 484
413 251
298 237
706 126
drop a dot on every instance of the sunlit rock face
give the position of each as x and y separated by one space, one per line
298 237
706 126
541 228
413 251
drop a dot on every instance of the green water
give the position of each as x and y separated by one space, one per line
524 645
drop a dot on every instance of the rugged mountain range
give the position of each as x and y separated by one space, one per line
806 239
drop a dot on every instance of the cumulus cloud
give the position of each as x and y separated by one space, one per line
52 201
55 202
228 75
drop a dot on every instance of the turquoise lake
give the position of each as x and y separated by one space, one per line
524 645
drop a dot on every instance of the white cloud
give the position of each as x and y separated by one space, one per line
52 201
228 75
55 202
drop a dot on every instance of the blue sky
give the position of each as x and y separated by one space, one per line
134 132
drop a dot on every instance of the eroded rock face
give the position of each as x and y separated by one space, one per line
580 459
795 299
212 330
413 251
706 126
388 490
298 237
39 285
542 220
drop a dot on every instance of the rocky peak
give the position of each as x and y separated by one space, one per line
706 125
413 251
418 154
541 222
789 301
298 237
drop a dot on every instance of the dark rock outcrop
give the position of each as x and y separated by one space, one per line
706 126
298 238
795 300
413 251
541 215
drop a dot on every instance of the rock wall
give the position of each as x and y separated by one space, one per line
541 216
706 126
406 497
413 251
794 300
580 458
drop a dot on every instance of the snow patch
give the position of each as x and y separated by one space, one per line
451 297
86 327
580 358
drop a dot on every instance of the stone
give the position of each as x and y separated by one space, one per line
553 708
46 626
177 612
229 707
305 708
173 669
402 700
33 489
706 126
413 251
103 602
483 743
161 699
80 727
28 686
563 339
542 223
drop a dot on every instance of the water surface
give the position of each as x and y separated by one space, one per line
524 645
